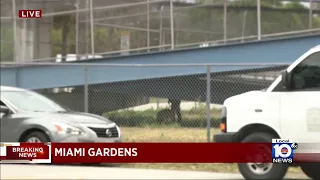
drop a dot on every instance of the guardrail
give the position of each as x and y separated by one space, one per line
167 47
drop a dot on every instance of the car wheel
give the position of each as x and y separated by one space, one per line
262 170
36 137
311 170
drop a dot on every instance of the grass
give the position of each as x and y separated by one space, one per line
142 126
160 100
165 134
173 134
177 134
195 118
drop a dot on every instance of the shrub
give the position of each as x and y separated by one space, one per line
195 117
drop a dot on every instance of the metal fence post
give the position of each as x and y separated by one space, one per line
87 29
171 24
160 29
148 24
24 34
259 19
86 89
208 102
244 24
310 14
77 29
14 11
92 28
225 16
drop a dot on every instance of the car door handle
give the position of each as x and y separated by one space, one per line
258 110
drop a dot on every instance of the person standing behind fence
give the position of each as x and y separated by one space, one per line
175 108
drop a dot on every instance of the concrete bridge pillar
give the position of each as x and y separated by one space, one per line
33 38
84 28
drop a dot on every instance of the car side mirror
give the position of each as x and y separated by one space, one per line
285 79
4 109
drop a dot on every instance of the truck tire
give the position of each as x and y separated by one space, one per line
312 170
262 170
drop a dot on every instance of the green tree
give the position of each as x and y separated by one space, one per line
63 25
275 17
242 21
6 44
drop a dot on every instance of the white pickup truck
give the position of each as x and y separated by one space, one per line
288 109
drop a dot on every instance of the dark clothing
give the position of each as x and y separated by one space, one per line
175 108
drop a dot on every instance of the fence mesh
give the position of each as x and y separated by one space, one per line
137 97
132 27
6 31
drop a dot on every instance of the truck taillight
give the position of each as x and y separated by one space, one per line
223 123
223 127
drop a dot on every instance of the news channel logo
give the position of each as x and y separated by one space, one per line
283 150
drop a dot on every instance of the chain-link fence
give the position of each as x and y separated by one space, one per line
154 103
84 29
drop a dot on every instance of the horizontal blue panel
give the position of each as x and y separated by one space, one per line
267 51
275 51
8 76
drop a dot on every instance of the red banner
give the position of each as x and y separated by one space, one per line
26 152
306 157
160 152
145 153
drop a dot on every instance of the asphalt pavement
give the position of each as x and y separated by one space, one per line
22 171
